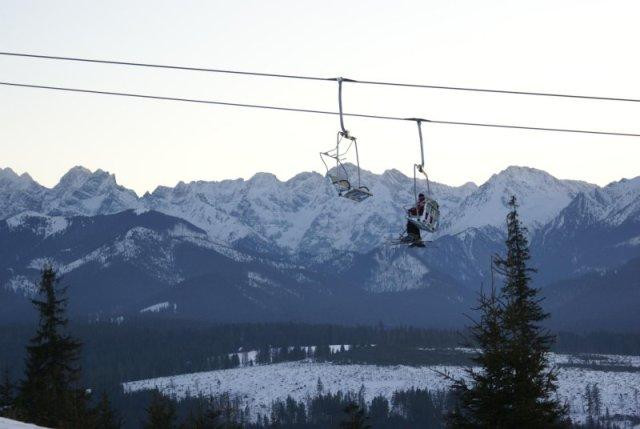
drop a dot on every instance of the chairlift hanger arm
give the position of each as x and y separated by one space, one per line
345 133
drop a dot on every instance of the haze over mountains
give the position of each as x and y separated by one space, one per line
264 249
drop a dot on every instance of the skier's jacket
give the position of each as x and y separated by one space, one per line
418 209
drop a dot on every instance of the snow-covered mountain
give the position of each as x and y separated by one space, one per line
83 193
19 193
79 193
292 238
302 214
541 197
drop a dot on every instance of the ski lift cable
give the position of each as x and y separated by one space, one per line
318 112
316 78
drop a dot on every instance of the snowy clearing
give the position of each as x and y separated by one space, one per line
259 386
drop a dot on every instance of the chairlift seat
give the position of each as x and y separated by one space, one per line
428 219
340 176
357 194
341 185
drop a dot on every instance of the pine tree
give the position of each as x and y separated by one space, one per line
161 413
514 388
204 416
49 395
356 418
6 394
105 417
379 410
485 403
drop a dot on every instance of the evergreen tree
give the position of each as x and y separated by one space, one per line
322 353
105 417
161 413
485 402
49 395
514 388
6 394
379 410
204 416
356 418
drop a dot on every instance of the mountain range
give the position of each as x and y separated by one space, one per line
265 249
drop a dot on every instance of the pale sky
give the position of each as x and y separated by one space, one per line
582 46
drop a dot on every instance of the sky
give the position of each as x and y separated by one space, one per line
570 46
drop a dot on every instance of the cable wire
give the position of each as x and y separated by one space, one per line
161 66
319 112
316 78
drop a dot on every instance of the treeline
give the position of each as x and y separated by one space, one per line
410 408
405 409
154 347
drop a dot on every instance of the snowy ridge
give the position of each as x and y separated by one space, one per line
79 193
148 248
303 215
301 223
19 193
38 223
541 197
23 285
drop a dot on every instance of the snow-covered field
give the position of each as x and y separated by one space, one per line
259 386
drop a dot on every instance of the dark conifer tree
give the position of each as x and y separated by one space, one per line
379 410
105 417
50 395
515 387
485 402
6 394
161 413
203 416
356 417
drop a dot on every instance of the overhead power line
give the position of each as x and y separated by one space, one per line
319 112
316 78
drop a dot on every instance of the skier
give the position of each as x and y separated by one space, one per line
413 232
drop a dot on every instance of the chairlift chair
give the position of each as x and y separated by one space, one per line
339 176
428 219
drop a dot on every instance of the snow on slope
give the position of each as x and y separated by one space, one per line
541 197
260 385
300 214
23 285
81 192
19 193
161 306
40 224
303 215
616 202
13 424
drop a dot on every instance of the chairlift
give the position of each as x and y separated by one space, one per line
426 219
340 176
